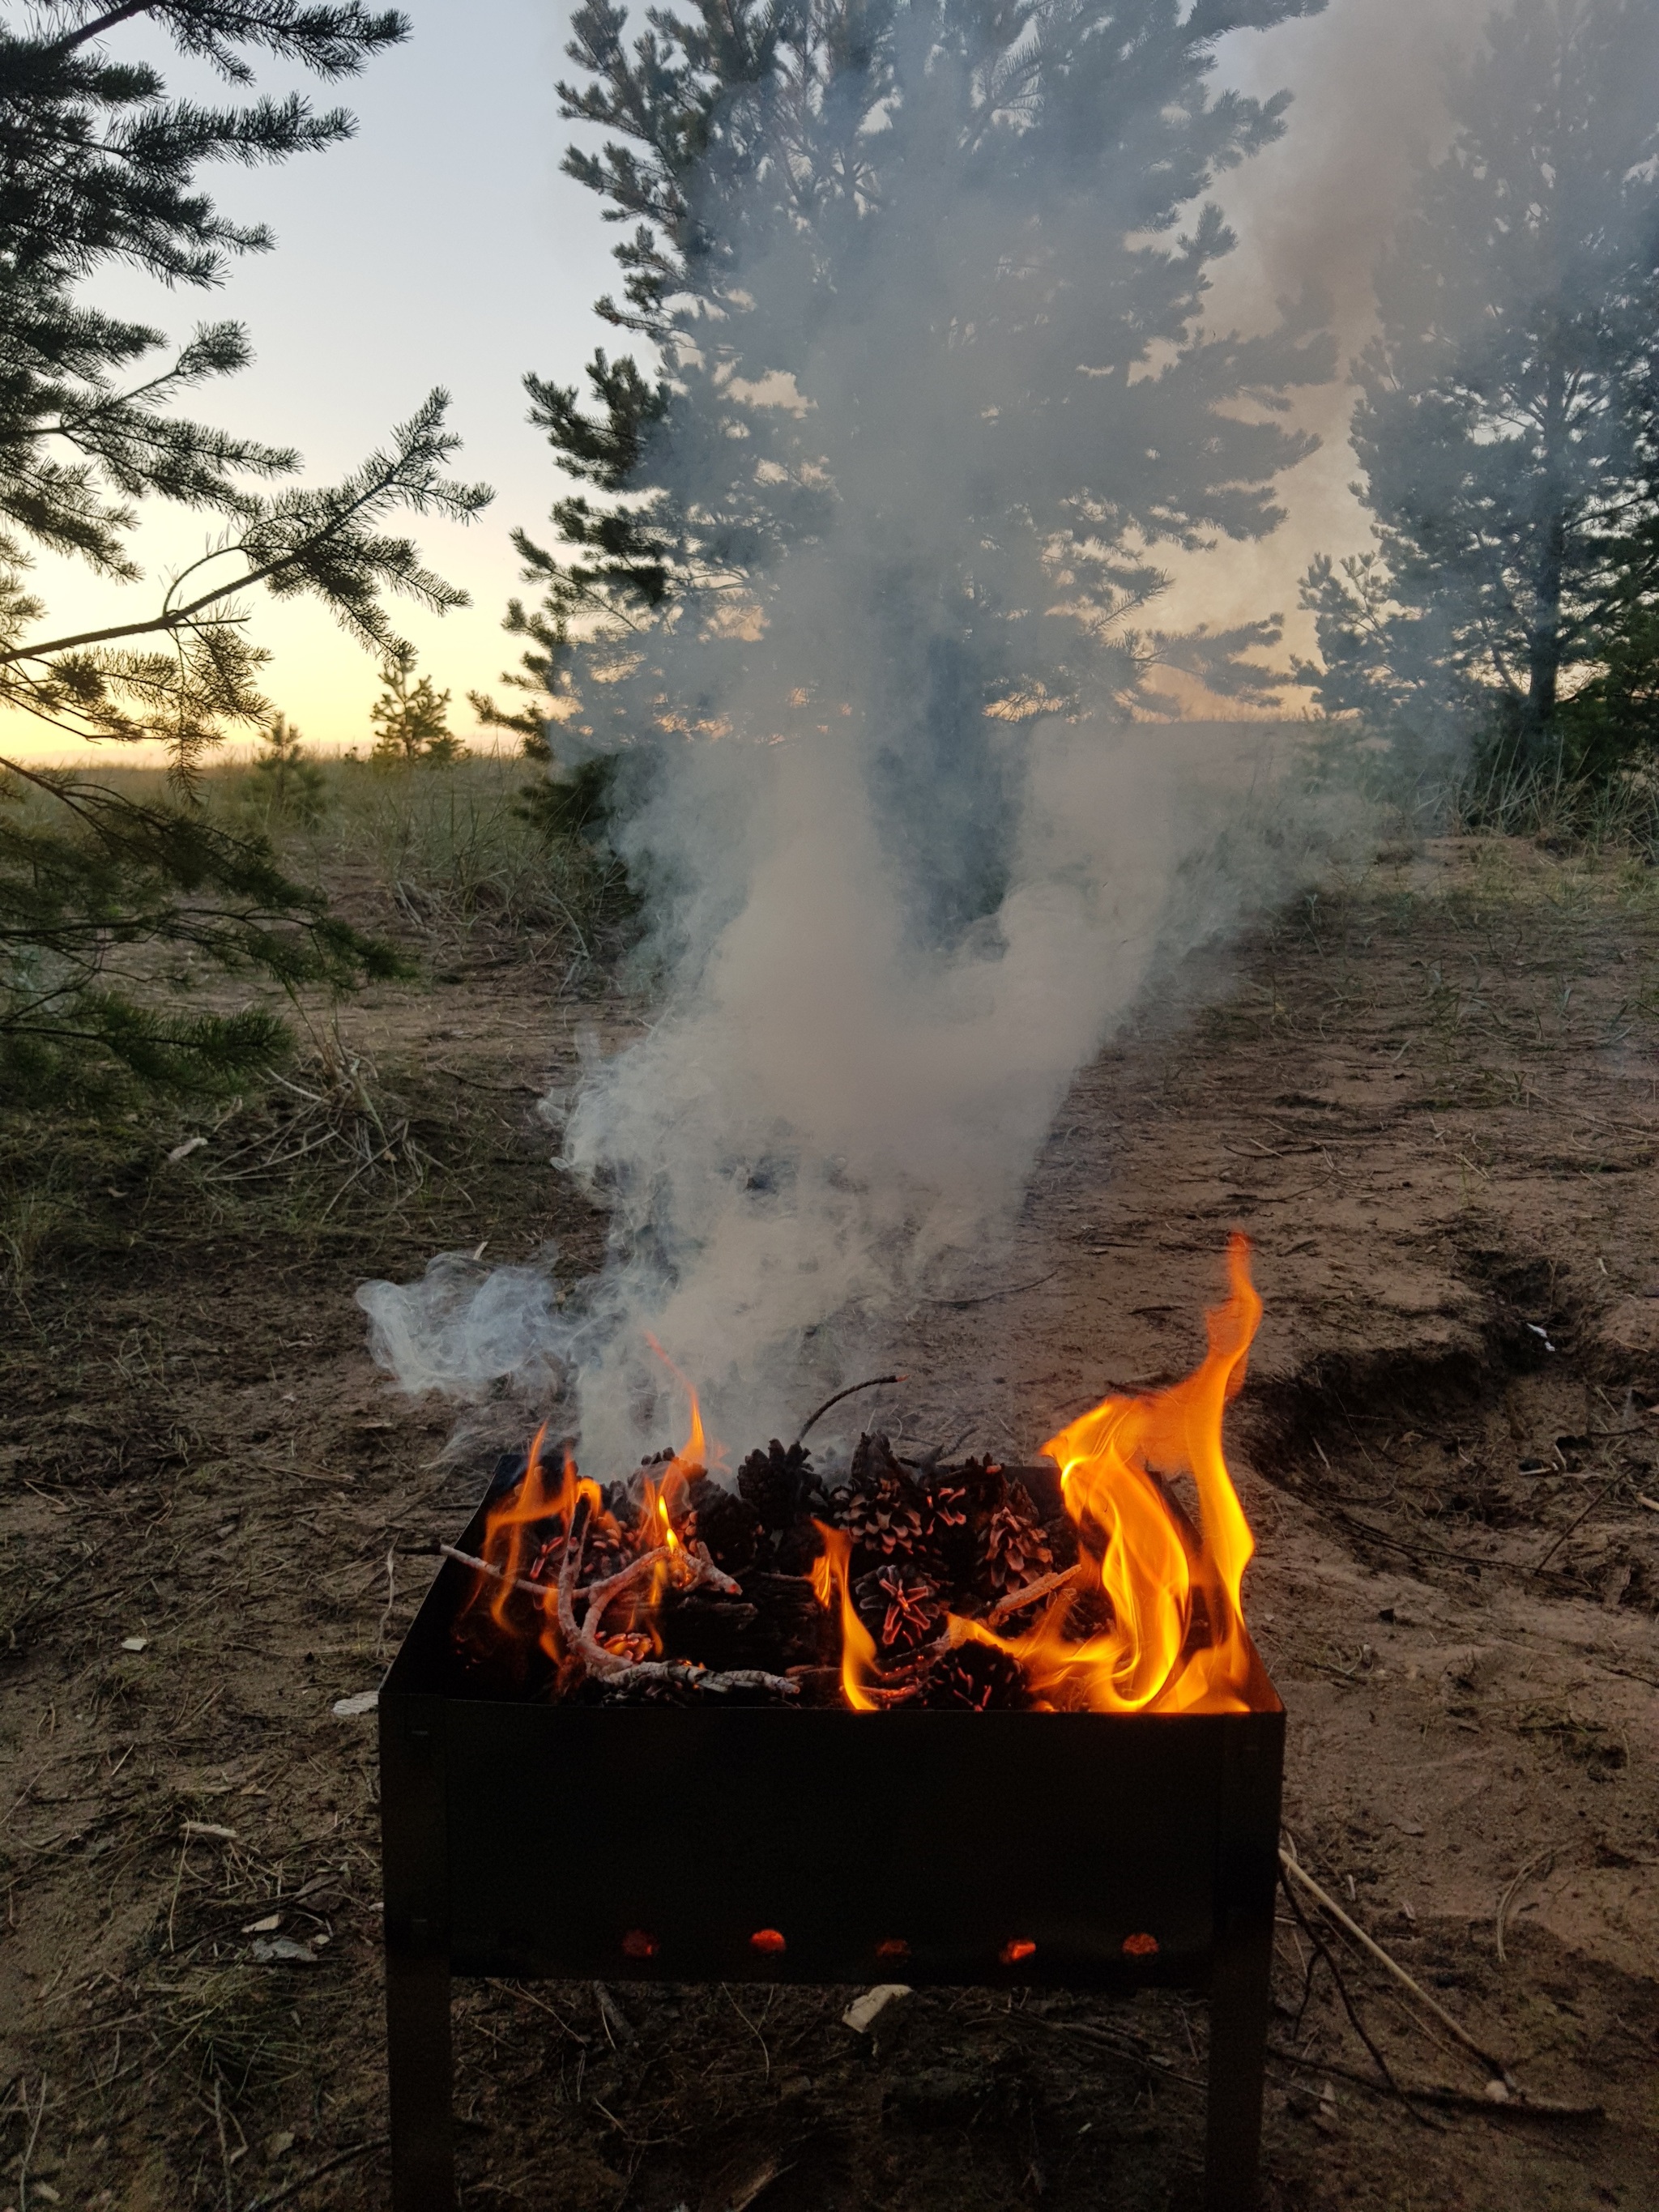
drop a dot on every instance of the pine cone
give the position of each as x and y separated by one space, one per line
607 1552
899 1606
979 1676
874 1463
944 1511
795 1548
774 1482
947 1528
729 1525
983 1481
1013 1550
885 1523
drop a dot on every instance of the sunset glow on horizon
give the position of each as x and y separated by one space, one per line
487 261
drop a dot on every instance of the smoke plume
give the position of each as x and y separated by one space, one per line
911 858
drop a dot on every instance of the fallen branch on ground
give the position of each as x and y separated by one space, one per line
1122 2043
1600 1498
1324 1951
1003 1291
304 2180
1495 2067
1435 2093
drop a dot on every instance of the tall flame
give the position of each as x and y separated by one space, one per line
519 1520
1176 1639
830 1586
692 1459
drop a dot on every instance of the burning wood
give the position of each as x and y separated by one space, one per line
1082 1583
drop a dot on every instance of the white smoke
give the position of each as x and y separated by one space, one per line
827 1120
840 1097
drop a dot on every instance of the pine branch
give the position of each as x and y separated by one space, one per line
331 41
323 542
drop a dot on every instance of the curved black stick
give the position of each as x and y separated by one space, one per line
851 1391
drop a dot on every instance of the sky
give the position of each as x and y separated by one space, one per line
442 246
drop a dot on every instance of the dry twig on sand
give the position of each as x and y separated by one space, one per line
291 2189
1324 1951
1538 1859
1435 2093
1002 1291
34 2119
1577 1523
1495 2067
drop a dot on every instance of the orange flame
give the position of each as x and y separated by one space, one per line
857 1646
692 1459
526 1531
658 1519
509 1528
1176 1640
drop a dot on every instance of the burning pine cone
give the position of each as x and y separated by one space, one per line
900 1608
1013 1550
978 1676
947 1528
607 1552
775 1483
885 1523
729 1525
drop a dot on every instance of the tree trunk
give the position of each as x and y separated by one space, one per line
1544 640
1543 644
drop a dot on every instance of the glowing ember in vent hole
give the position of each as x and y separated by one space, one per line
1013 1953
892 1947
1139 1947
636 1944
767 1943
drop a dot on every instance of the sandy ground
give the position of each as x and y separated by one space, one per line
1429 1096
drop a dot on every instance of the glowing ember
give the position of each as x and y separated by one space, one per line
945 1586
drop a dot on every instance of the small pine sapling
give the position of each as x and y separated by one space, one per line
411 718
292 784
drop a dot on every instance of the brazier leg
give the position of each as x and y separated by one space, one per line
418 2064
414 1859
1239 2046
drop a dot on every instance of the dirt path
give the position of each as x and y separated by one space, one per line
1431 1100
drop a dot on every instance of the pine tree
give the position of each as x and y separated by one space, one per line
411 718
836 211
98 171
1503 426
294 786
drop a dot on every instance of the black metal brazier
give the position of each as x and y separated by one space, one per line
538 1840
